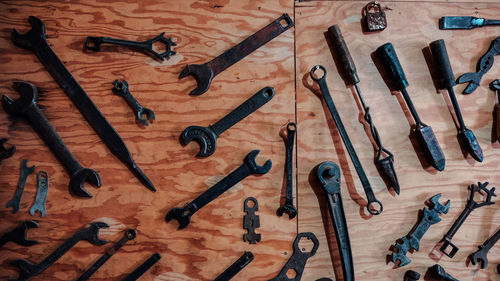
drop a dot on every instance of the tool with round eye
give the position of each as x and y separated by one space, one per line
288 206
15 202
120 88
374 206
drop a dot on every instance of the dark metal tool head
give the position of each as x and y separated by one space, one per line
120 88
26 40
479 256
28 96
202 74
168 42
91 233
430 146
328 174
411 275
495 85
471 144
5 152
182 215
78 179
287 209
254 167
437 272
204 136
488 193
19 234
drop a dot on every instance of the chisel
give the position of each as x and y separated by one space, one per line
464 22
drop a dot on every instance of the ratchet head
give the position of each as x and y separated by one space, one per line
28 39
182 215
204 136
287 209
6 152
29 95
479 256
79 178
254 167
203 75
328 174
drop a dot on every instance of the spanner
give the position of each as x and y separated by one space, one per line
27 107
204 73
206 137
288 206
25 172
19 234
5 152
120 88
236 267
91 234
249 167
481 254
41 194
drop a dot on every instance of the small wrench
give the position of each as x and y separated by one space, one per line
120 88
41 194
437 272
249 167
481 254
236 267
5 152
288 206
19 234
25 172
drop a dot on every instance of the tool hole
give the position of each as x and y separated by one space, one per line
250 203
269 92
305 245
291 273
318 72
479 197
284 22
292 127
375 207
159 47
119 86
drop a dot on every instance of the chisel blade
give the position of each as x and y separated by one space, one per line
430 147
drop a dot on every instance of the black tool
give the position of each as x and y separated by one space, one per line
453 22
23 176
129 235
6 152
120 88
447 81
481 254
251 221
469 207
374 206
437 272
374 17
90 233
19 234
204 73
484 64
287 206
427 140
411 275
94 44
41 194
27 107
138 272
328 174
35 41
386 164
412 240
206 137
249 167
298 260
236 267
495 86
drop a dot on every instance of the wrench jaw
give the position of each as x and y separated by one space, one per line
29 95
205 137
145 115
5 152
473 78
26 269
202 74
254 167
182 215
288 209
479 257
25 40
79 178
328 174
92 233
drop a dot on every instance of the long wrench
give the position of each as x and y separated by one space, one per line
249 167
374 206
139 271
41 194
23 176
481 255
236 267
288 206
35 41
204 73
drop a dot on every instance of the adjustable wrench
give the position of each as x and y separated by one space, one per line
206 137
5 152
27 107
23 176
288 206
249 167
204 73
91 234
236 267
41 194
481 254
120 88
19 234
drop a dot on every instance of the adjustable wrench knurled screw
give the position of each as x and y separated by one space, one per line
481 254
18 235
120 88
23 176
288 206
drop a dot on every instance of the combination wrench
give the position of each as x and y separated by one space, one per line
120 88
236 267
41 194
287 206
19 234
249 167
481 254
23 176
6 152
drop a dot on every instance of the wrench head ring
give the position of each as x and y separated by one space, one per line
79 178
182 215
26 40
254 167
313 71
204 136
29 95
375 207
144 115
202 74
120 88
328 174
6 152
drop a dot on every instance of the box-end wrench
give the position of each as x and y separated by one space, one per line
251 221
249 167
6 152
19 234
204 73
27 107
120 88
41 194
236 267
206 137
139 271
288 206
90 233
23 176
481 254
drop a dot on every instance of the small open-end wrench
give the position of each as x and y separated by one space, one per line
90 233
374 206
236 267
251 221
206 137
139 271
19 234
484 64
469 207
437 272
328 174
288 206
481 254
204 73
41 194
120 88
495 86
6 152
129 235
94 44
27 107
249 167
23 176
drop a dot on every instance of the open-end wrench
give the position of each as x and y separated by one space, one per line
374 206
204 73
19 234
328 174
236 267
35 41
23 176
288 206
94 44
6 152
129 235
437 272
120 88
495 86
481 254
41 194
469 207
206 137
139 271
27 107
249 167
90 233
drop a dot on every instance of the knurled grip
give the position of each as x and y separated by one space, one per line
442 64
343 55
389 59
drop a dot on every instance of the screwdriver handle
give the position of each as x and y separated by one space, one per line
387 55
442 63
343 55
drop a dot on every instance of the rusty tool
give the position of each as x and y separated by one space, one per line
447 81
457 22
374 206
287 206
120 88
23 176
426 138
495 86
236 267
41 194
6 152
139 271
251 221
437 272
35 41
204 73
27 107
19 234
481 254
384 164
